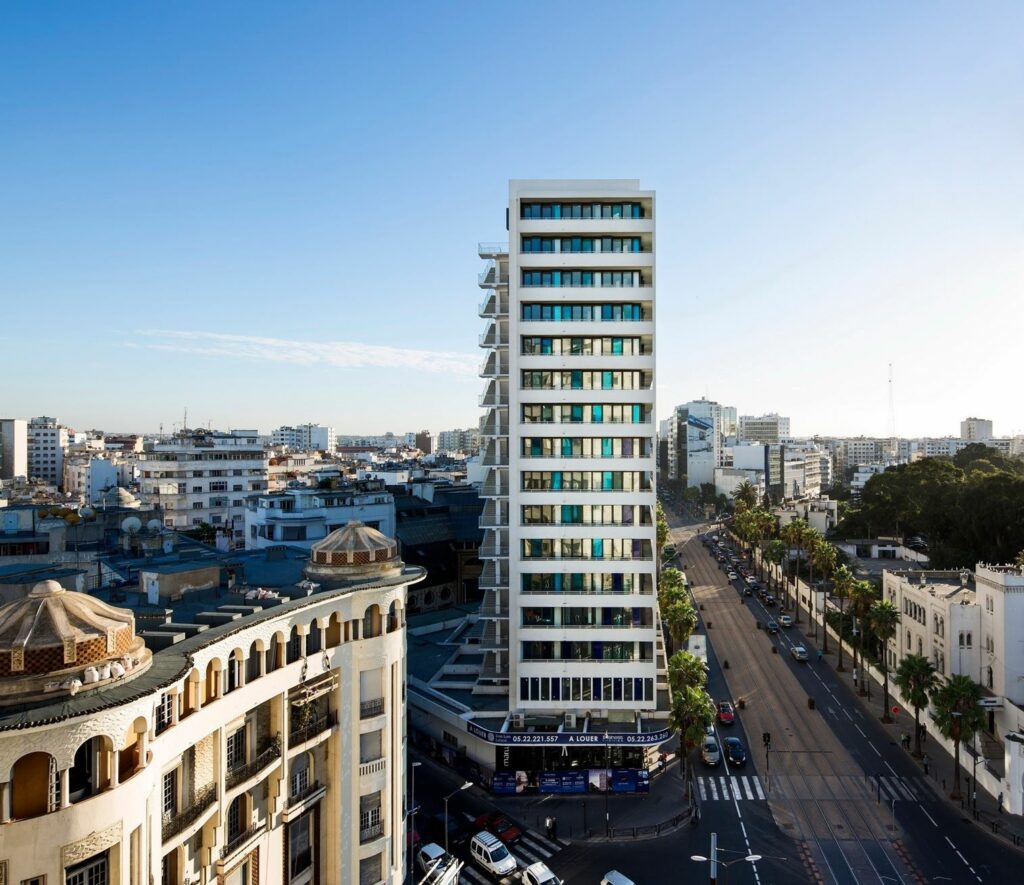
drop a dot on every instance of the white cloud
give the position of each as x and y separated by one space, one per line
340 354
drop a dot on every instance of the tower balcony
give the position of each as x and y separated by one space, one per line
496 484
495 514
496 364
495 395
494 305
495 275
496 453
492 250
495 336
495 424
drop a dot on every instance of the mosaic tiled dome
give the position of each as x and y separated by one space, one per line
353 552
53 630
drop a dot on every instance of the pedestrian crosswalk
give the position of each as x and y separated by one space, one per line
900 788
531 848
739 787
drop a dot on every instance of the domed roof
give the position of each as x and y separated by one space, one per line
353 552
52 629
354 543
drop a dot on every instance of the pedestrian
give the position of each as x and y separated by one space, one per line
999 802
547 825
926 762
906 741
903 740
924 734
554 828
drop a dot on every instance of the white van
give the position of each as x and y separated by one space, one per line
614 877
490 855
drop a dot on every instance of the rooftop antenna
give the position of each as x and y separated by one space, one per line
893 447
184 425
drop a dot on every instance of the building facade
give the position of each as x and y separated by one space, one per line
305 437
47 444
13 448
771 428
465 441
301 517
976 429
203 476
569 445
266 746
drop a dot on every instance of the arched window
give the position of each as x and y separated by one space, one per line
908 639
253 661
313 638
294 646
35 785
988 677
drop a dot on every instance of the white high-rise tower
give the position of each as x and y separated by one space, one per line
569 442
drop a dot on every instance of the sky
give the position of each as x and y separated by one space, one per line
267 213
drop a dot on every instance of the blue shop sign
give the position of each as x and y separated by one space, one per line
568 739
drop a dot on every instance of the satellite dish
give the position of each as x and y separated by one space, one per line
87 511
154 525
131 525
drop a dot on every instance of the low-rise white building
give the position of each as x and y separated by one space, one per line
301 517
305 437
90 477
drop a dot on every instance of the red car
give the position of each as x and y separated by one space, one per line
725 713
495 822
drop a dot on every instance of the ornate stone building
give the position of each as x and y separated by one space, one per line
254 743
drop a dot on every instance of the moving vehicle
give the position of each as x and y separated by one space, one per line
735 752
732 576
498 824
771 627
539 874
491 856
710 752
751 580
799 653
770 599
786 620
614 877
726 715
457 830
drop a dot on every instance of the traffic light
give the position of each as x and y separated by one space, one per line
767 738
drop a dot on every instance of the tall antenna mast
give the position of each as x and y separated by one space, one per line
893 445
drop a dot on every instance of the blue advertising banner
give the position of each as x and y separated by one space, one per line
568 739
504 783
562 781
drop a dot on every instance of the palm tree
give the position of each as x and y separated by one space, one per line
744 496
915 677
685 669
958 716
793 534
775 552
825 558
692 711
1019 561
812 539
842 586
885 618
680 618
765 525
862 595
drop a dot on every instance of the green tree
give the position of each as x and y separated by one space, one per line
885 618
794 533
661 528
744 496
958 716
862 595
824 557
692 711
686 670
915 677
775 552
680 617
671 582
842 586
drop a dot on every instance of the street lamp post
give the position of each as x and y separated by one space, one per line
714 862
411 816
465 786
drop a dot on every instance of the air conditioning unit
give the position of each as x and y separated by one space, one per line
518 720
570 721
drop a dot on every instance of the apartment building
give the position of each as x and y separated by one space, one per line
466 441
90 476
976 429
695 442
243 744
569 621
305 437
770 428
301 517
201 476
47 444
13 448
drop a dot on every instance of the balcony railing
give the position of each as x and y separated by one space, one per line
301 795
240 773
371 708
302 733
489 250
491 552
368 834
371 766
237 841
202 801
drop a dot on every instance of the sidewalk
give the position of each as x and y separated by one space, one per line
582 816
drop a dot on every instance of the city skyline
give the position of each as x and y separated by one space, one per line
838 191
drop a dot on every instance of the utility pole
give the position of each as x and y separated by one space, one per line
714 859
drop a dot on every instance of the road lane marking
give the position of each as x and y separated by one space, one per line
714 789
746 788
861 730
700 789
873 747
757 788
848 716
927 815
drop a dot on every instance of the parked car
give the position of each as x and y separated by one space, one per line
735 752
710 752
770 599
726 714
732 576
497 823
786 620
432 857
458 832
799 653
491 856
614 877
771 627
751 580
539 874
